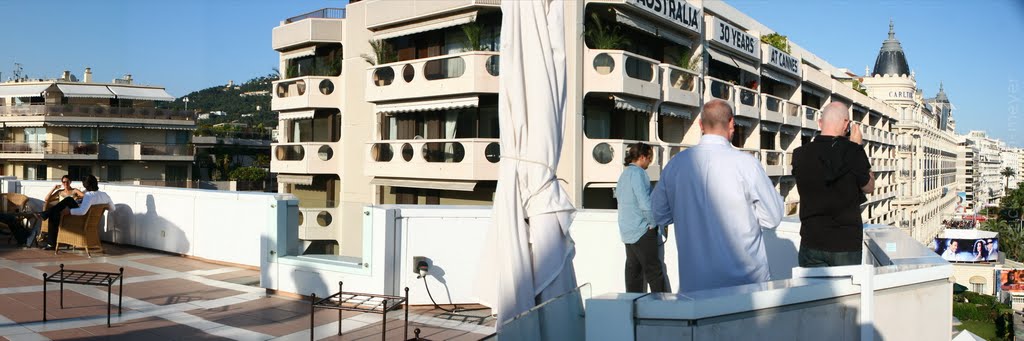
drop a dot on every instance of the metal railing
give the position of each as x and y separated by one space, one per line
96 111
323 13
50 147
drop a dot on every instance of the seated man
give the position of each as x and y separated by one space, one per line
92 196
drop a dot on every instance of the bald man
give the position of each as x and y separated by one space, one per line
833 175
719 199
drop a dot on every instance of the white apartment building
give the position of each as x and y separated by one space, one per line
394 101
988 182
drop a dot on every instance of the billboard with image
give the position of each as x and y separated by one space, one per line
967 250
1010 280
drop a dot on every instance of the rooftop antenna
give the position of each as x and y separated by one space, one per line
17 72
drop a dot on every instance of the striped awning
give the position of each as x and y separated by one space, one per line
145 94
779 77
296 115
424 26
808 132
676 111
641 24
634 104
85 91
430 105
303 52
448 185
744 121
295 179
23 90
728 59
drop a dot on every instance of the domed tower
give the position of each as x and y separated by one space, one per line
891 80
943 109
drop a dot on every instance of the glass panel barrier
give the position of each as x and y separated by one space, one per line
560 318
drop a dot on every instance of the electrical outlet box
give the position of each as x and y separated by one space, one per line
416 261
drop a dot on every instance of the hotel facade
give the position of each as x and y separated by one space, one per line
52 128
395 102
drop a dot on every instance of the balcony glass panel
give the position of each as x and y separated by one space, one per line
289 153
772 103
444 68
748 97
167 149
682 80
639 69
721 90
443 152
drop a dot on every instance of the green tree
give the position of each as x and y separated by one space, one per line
248 174
1007 173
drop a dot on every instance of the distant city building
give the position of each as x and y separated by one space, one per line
255 93
52 128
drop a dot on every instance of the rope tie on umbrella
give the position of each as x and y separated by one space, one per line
546 183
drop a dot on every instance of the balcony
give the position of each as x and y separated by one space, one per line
467 73
299 158
621 72
294 93
319 223
792 114
164 152
773 109
49 150
668 150
816 77
810 117
788 170
747 103
321 26
715 88
773 162
603 160
92 113
680 86
456 159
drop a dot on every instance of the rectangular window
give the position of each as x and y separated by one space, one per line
176 173
113 173
78 173
978 287
35 172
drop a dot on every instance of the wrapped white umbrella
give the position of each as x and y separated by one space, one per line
532 213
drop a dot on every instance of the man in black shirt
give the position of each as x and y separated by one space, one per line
833 175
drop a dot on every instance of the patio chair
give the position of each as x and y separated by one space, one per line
81 231
12 203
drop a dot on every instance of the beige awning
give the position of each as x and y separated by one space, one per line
744 121
145 94
85 91
728 59
23 124
429 25
296 115
634 104
23 90
448 185
305 51
295 179
430 105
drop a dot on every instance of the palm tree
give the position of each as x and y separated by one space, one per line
1007 173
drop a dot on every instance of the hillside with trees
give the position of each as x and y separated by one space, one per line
231 101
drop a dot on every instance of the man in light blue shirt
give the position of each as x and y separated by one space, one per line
636 224
719 199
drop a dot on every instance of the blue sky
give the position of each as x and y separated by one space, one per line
187 45
975 48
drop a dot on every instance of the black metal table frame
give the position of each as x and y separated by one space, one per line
338 301
82 277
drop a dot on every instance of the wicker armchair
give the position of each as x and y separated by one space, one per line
12 203
82 231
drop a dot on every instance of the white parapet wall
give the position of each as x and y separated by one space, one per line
221 226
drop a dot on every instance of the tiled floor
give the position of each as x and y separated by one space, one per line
174 298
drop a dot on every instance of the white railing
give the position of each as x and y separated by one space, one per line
680 86
617 71
306 158
773 108
307 92
774 162
715 88
457 159
810 117
747 102
465 73
603 160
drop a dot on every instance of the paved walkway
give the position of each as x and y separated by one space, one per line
168 297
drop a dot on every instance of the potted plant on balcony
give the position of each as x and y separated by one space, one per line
603 37
383 53
473 37
686 61
777 40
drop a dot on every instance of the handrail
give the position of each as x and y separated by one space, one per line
427 59
323 13
95 111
